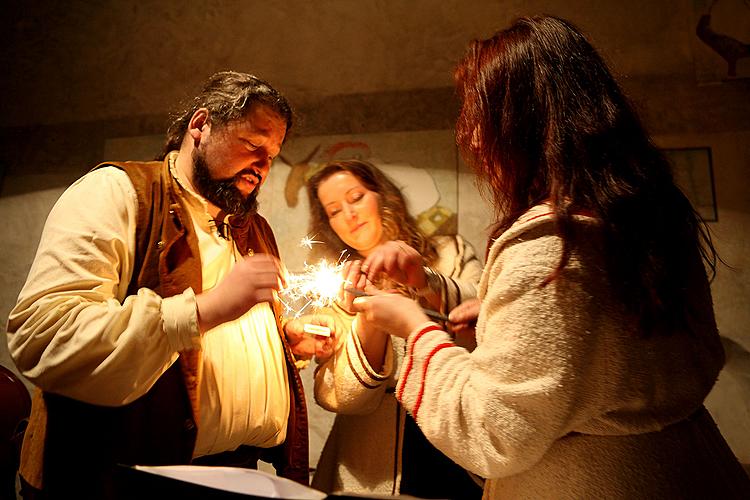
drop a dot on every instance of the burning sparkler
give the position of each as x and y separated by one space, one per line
318 286
308 242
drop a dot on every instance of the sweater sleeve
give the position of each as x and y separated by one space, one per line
346 383
459 270
496 411
73 330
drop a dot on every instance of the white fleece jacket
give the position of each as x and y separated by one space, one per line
562 398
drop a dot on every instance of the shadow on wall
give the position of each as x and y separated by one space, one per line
728 401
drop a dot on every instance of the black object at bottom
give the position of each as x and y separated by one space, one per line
427 473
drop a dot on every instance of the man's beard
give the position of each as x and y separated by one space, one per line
222 192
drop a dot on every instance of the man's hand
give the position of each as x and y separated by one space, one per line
252 280
304 345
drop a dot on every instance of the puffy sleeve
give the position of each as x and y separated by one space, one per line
73 330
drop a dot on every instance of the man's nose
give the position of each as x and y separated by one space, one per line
261 166
263 163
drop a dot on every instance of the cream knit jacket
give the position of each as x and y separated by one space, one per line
362 453
562 398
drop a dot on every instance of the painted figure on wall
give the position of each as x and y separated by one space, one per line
727 47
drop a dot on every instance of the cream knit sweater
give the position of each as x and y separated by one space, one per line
362 453
562 398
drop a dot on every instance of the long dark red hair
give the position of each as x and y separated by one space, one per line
543 119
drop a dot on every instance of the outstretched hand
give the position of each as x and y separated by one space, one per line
252 280
389 313
398 261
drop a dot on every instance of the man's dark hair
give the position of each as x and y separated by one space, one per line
228 96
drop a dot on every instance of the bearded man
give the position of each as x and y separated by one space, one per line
149 321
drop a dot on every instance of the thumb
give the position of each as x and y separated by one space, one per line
361 304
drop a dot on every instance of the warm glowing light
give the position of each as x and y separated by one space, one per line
318 286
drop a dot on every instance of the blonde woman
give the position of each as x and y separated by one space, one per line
374 446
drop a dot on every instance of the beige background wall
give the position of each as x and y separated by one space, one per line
78 74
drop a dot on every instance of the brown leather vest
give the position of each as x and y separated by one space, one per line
79 443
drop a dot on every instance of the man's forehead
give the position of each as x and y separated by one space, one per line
254 122
263 115
260 119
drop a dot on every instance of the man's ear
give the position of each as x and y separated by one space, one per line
199 124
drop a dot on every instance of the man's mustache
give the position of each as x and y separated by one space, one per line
249 171
238 176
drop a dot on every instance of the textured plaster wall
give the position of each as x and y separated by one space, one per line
80 60
78 73
729 402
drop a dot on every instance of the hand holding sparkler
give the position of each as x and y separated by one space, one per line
319 286
399 261
254 279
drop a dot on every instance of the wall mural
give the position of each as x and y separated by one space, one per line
722 46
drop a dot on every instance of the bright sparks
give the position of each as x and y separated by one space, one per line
318 286
308 242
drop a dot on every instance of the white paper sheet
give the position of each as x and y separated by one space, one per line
236 480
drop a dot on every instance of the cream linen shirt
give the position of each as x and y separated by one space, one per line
74 331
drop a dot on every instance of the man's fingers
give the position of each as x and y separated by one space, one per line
264 295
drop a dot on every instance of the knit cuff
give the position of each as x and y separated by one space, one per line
411 384
179 315
362 369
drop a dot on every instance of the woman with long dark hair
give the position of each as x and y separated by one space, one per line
596 338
